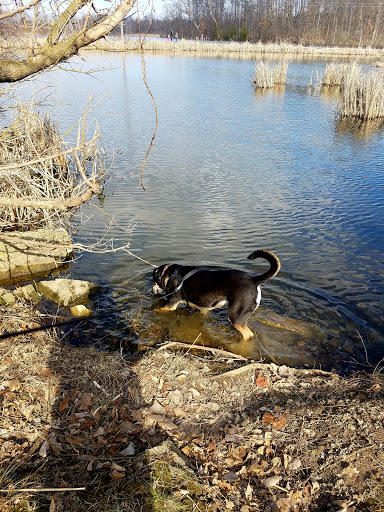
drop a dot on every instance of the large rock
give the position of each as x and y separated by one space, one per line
25 255
67 292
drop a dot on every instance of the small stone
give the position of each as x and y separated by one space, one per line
80 311
7 299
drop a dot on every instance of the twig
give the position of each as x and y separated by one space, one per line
242 369
149 92
174 345
46 489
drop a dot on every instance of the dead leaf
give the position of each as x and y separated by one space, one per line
261 380
248 492
167 425
175 397
99 432
52 506
127 427
63 405
75 439
117 467
12 385
157 408
44 449
277 421
129 450
88 424
180 413
280 421
271 481
295 464
85 401
116 475
45 371
230 477
194 393
54 444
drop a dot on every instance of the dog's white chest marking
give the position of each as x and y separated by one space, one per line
258 298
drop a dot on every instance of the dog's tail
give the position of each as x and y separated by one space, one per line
272 259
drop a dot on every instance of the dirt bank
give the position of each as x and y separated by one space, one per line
88 431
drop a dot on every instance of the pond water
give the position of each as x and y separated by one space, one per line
233 170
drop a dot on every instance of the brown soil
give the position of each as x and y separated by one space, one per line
83 430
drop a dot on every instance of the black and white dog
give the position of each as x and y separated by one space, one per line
205 289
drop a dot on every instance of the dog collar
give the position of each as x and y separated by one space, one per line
179 286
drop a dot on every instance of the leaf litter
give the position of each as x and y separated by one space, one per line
168 432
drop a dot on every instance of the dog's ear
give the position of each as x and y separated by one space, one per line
158 273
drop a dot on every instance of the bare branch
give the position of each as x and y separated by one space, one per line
56 50
22 8
48 204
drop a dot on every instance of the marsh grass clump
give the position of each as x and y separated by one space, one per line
335 73
362 96
269 75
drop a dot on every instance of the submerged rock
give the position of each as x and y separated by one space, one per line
81 311
24 255
67 292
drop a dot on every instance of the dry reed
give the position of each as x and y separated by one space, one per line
362 96
268 75
216 48
335 73
36 165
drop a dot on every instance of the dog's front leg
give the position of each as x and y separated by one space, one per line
170 305
166 307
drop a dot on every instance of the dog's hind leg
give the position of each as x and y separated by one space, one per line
244 330
239 320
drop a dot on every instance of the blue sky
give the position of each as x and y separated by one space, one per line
159 5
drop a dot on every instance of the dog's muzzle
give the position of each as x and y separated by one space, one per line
156 289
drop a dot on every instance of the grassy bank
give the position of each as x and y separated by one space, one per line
248 50
88 431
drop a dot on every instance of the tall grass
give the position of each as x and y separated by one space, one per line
216 48
362 96
335 73
268 75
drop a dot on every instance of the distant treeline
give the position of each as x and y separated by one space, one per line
329 22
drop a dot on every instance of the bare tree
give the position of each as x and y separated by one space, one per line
63 39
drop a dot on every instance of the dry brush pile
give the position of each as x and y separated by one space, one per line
42 179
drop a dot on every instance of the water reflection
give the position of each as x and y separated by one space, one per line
362 130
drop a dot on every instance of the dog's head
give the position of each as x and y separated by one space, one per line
160 278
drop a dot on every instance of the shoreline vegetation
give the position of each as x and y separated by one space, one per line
216 48
209 48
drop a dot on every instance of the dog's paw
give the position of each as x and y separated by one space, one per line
165 309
